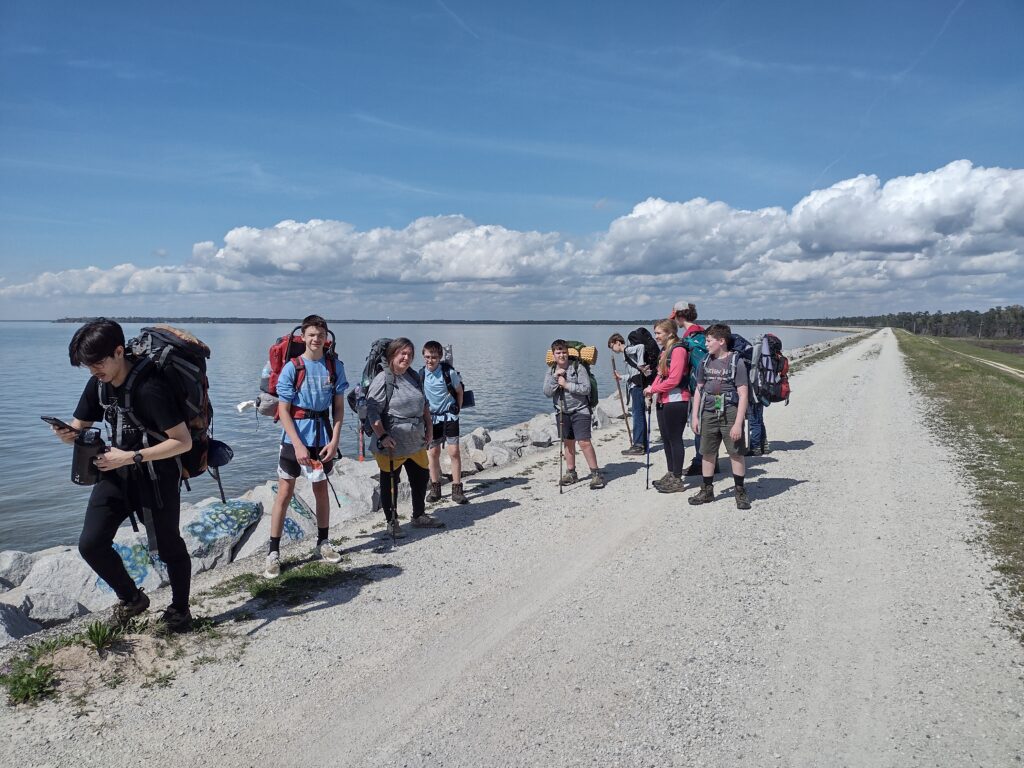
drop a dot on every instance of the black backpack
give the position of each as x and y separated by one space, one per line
446 371
651 352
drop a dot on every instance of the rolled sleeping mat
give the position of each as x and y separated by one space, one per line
586 355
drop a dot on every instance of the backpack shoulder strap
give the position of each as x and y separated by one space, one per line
331 361
446 371
300 372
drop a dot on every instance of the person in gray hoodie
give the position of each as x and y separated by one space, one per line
400 418
567 383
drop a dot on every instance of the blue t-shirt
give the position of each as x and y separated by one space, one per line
316 394
438 396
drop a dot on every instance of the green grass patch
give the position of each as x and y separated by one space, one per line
100 636
28 682
296 584
983 348
977 399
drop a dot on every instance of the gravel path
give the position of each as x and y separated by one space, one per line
844 620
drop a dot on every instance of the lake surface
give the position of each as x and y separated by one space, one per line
502 364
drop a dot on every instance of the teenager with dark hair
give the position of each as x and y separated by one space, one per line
137 478
568 386
309 440
685 315
444 390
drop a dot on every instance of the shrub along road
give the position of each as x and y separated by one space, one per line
844 620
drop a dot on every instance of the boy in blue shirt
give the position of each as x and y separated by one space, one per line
309 388
444 390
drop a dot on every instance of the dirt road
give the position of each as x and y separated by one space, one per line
844 620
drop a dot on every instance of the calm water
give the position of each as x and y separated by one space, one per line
40 507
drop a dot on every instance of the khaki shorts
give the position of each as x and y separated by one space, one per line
714 430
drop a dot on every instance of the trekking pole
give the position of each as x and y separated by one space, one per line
561 447
362 454
648 481
618 388
393 518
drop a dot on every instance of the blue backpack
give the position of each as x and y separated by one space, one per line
696 346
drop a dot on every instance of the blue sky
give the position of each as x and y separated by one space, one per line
148 155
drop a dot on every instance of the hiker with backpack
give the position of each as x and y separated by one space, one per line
309 388
672 403
443 389
769 383
641 355
718 412
399 418
139 474
693 339
568 384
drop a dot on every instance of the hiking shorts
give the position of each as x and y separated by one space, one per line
289 469
445 432
575 425
714 430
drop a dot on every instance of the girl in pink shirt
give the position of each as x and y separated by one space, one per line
672 399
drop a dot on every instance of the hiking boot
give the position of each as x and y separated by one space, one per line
766 447
327 552
395 529
569 478
596 480
634 450
459 494
662 480
742 502
434 494
672 485
272 569
426 521
694 470
126 610
755 452
173 620
704 495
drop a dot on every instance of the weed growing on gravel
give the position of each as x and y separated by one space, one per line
977 399
158 680
295 584
27 682
100 636
51 645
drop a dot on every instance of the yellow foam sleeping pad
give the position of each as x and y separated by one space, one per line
577 350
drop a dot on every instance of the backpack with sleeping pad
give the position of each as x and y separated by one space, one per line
179 358
580 354
769 380
290 348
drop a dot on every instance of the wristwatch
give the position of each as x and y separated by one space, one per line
137 458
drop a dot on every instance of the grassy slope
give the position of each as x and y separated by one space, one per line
982 407
968 346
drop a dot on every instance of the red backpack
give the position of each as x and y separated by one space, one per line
285 349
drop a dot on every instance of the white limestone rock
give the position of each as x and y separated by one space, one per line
299 522
14 567
213 528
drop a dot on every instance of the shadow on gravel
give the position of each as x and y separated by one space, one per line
767 487
476 489
456 516
792 445
301 589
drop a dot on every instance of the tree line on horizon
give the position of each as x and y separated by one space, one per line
996 323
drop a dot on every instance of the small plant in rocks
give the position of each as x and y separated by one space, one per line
27 682
100 636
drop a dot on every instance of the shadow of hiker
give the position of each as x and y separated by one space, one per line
295 595
790 445
767 487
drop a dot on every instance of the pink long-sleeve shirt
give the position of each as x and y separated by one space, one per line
672 388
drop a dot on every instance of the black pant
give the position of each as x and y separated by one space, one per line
111 501
418 476
671 423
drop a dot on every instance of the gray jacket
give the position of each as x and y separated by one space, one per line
577 388
404 417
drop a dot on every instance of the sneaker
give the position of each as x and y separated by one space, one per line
395 529
569 478
672 485
327 552
426 521
694 470
273 567
434 494
125 611
742 502
459 494
634 450
173 620
704 495
596 480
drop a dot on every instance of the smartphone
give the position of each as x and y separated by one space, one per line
53 421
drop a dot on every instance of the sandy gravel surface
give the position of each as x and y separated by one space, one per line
844 620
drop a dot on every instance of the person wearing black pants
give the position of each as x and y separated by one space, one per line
419 479
672 399
138 473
